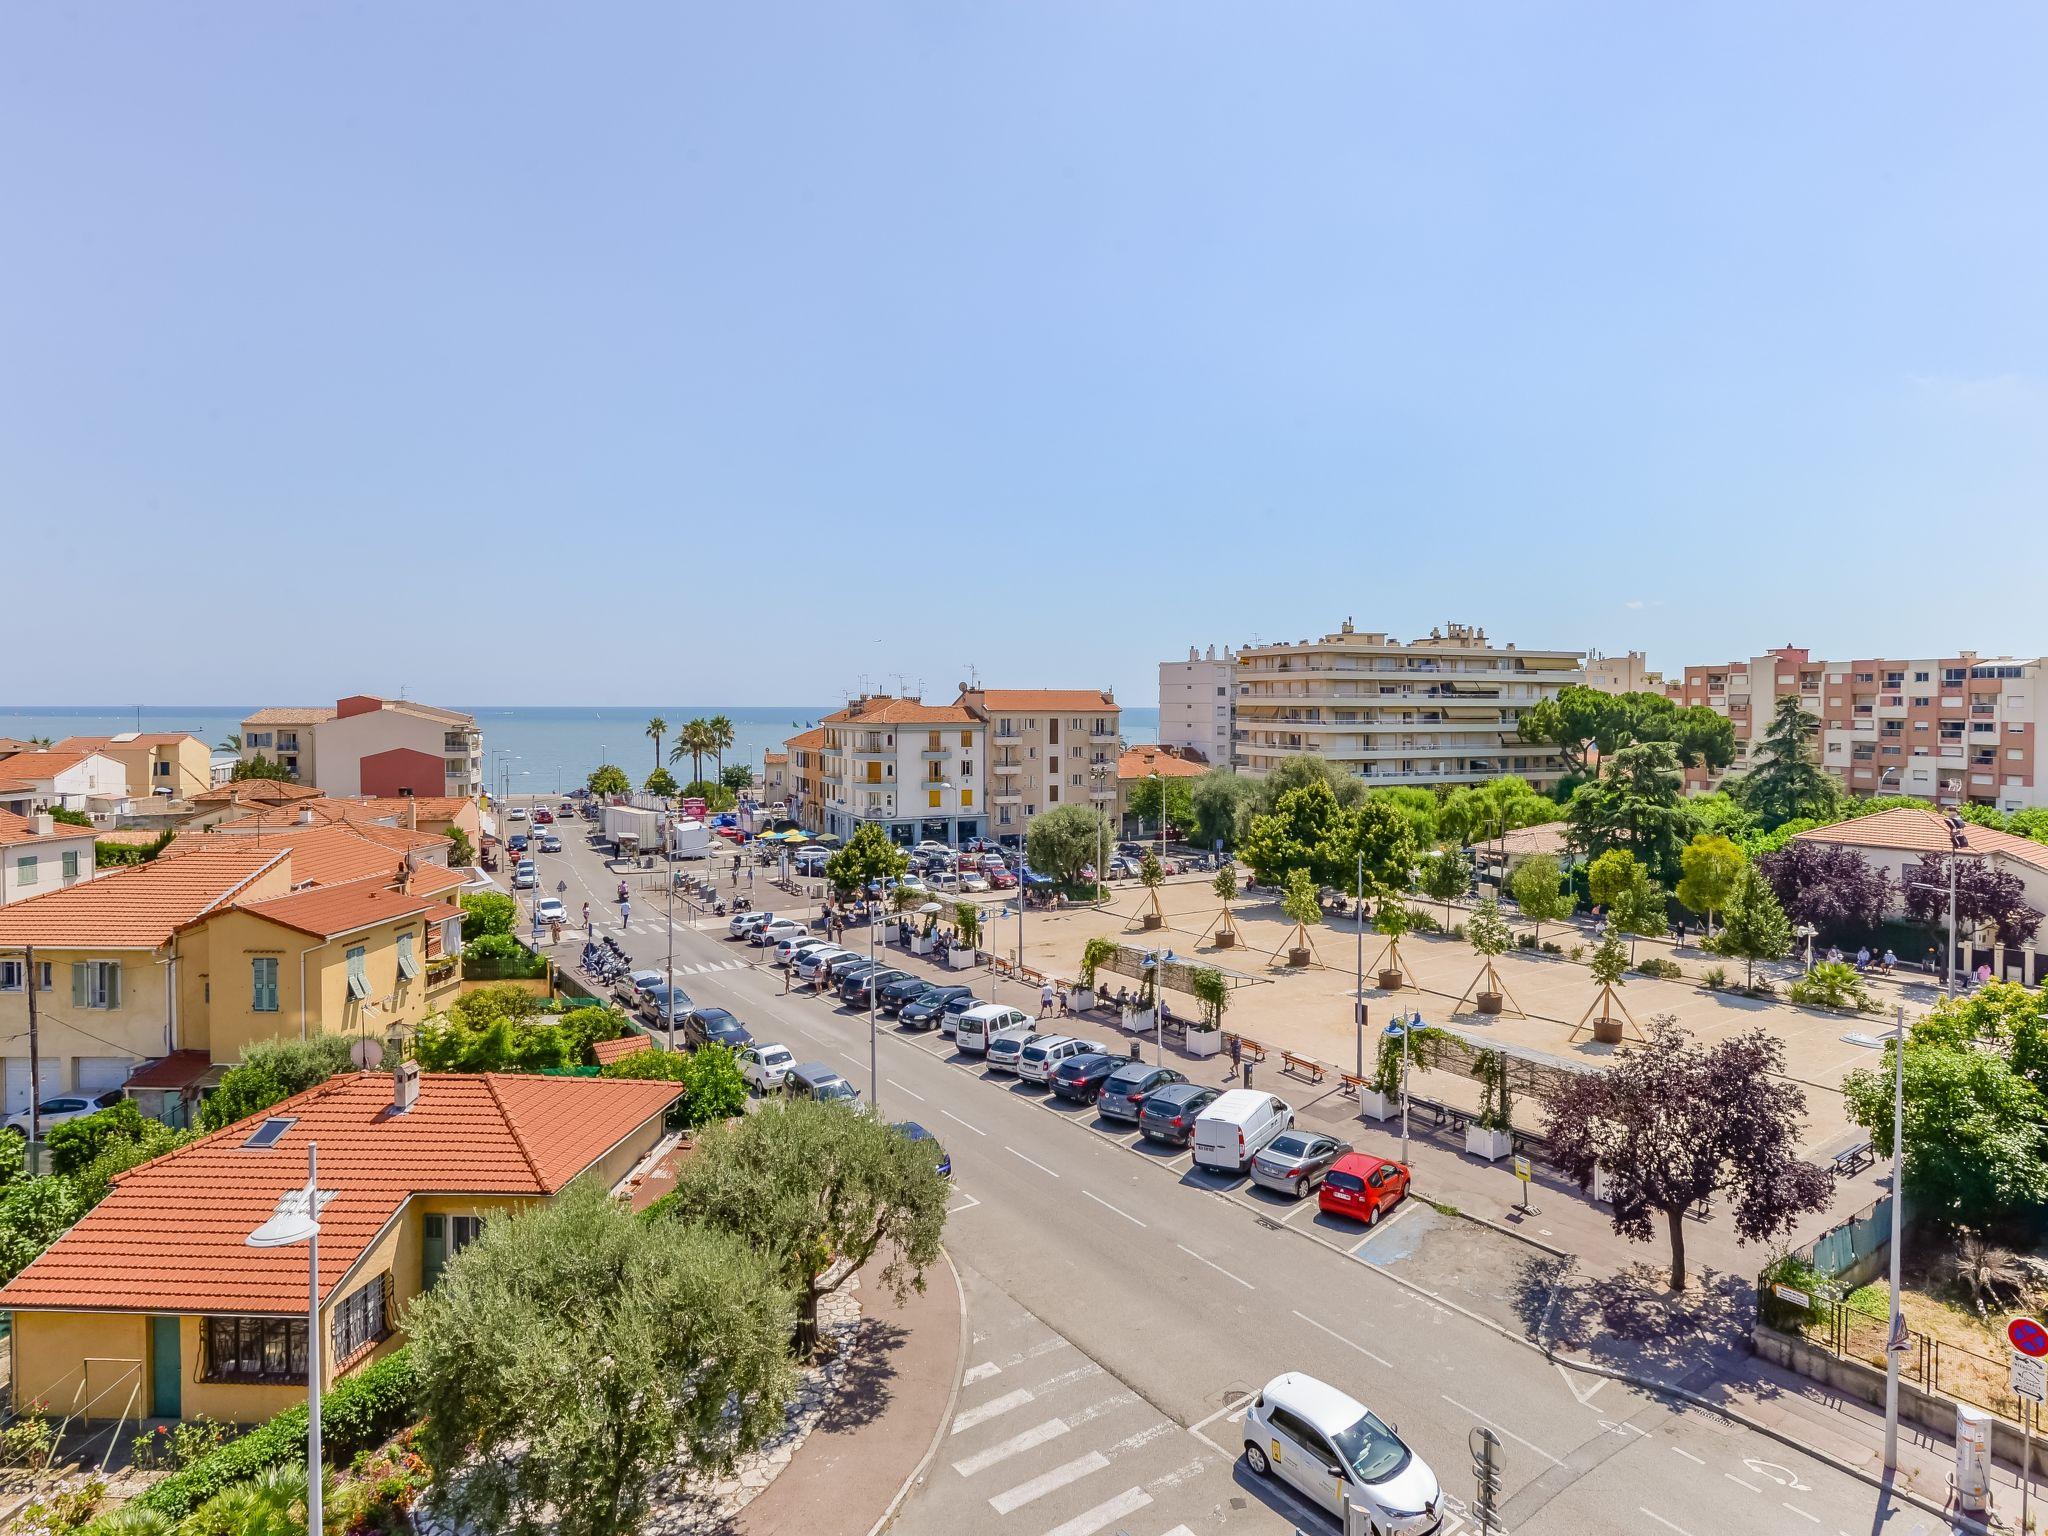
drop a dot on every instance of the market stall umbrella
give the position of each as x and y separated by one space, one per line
794 837
827 840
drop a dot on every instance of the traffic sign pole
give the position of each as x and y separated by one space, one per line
2029 1342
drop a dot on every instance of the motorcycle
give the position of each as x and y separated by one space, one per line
622 890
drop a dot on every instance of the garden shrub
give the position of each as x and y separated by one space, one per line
1832 984
1657 965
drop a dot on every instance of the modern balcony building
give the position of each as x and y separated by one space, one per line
1197 711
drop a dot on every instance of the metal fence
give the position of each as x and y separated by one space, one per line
1936 1365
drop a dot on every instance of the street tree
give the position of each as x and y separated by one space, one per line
573 1352
818 1192
1634 804
2000 1016
1786 779
1538 886
608 779
661 782
696 742
737 777
1672 1123
1298 833
1216 800
1984 895
1418 807
1066 840
1829 885
1177 794
1225 887
657 728
718 730
261 767
1445 877
1345 787
1582 721
1300 903
868 857
1475 813
714 794
1712 863
1753 926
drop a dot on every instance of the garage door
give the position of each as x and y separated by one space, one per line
96 1074
17 1082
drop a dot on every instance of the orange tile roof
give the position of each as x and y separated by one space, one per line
22 829
291 714
774 757
429 807
902 712
141 906
254 792
180 1069
435 879
170 1235
328 910
609 1051
1047 698
329 855
46 764
101 743
398 839
296 813
814 737
1908 830
1143 762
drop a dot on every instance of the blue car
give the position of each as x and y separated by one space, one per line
916 1132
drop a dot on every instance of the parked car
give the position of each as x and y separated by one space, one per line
661 999
918 1133
1363 1187
1002 880
1294 1162
973 884
931 846
857 988
811 962
949 1018
774 932
1236 1128
1006 1046
744 923
518 842
1169 1113
1035 1063
923 1011
634 987
1332 1449
901 993
1079 1079
978 1025
714 1026
550 843
992 861
789 951
815 1080
837 967
549 909
946 884
1125 1090
765 1066
524 878
65 1106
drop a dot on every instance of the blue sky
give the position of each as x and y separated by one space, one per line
599 354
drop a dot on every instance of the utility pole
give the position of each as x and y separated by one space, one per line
670 974
1358 990
1407 1028
35 1055
1895 1340
874 1070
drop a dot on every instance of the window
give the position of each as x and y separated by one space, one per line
441 1238
1052 793
96 984
254 1349
358 976
163 770
932 799
263 984
25 870
361 1319
408 963
71 866
13 975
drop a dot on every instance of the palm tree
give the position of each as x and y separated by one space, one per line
657 728
232 742
721 737
692 741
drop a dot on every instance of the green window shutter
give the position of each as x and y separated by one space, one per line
408 967
78 996
358 977
113 983
433 1249
71 866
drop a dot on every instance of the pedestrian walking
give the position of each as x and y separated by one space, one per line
1063 1003
1681 933
1236 1055
1045 999
625 913
586 919
1927 961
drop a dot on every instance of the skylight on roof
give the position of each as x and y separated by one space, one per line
266 1134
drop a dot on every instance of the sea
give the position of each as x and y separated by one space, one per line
547 750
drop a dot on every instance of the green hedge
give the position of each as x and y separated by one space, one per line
359 1412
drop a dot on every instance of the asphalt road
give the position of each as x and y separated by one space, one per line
1124 1306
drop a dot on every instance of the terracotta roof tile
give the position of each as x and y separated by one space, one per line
1093 699
329 855
37 766
291 714
169 1237
902 712
255 792
609 1051
814 737
328 910
1908 830
22 829
1143 762
139 907
180 1069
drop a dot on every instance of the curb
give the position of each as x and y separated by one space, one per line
952 1399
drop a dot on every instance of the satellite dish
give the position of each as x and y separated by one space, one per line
367 1054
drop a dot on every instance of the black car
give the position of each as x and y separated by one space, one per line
705 1026
1079 1079
660 998
856 987
940 1157
1124 1094
1169 1112
899 994
923 1011
851 975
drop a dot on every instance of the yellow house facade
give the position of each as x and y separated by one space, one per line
174 765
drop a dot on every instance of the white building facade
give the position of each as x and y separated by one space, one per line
1197 703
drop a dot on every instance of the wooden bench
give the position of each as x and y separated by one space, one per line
1301 1066
1440 1114
1248 1049
1855 1159
1351 1087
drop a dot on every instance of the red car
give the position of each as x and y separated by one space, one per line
1362 1187
543 815
1000 879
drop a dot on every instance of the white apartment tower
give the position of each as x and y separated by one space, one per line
1197 710
1443 710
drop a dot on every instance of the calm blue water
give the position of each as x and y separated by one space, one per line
547 749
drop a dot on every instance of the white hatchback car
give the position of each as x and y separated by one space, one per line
744 923
61 1107
1037 1062
765 1066
1335 1450
775 932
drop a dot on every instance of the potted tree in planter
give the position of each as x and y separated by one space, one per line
1150 874
1539 890
1488 933
1212 993
1491 1135
1225 887
1393 919
1299 901
966 936
1383 1098
1610 969
1095 954
1139 1019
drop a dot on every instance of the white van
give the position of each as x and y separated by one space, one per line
1236 1127
977 1025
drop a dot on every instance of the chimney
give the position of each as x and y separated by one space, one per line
45 823
405 1086
305 818
412 814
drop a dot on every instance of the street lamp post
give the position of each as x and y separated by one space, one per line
1958 841
1414 1019
1358 990
1895 1339
292 1225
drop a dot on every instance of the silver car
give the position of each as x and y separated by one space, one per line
1007 1048
1294 1162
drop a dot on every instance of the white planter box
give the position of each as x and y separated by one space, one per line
1139 1020
1489 1144
1080 999
1374 1105
920 945
961 959
1204 1042
1600 1190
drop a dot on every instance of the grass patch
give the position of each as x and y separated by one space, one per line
1441 1207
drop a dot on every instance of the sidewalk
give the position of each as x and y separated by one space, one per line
845 1477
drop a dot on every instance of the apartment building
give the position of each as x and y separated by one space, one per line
913 768
1444 709
367 745
774 777
177 764
1048 747
1197 711
1951 729
1628 673
805 794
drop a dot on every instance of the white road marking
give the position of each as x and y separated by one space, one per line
899 1088
1226 1274
1572 1385
953 1210
980 1372
1046 1482
1127 1216
1078 1373
1752 1487
1093 1411
958 1121
1802 1514
1682 1531
995 1406
1232 1410
1333 1333
1129 1502
1016 1445
1482 1418
1031 1160
1698 1461
847 1054
1180 1530
1143 1437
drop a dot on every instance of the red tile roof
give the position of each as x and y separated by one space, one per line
180 1069
291 714
609 1051
141 906
329 910
1143 762
255 792
902 712
37 766
1092 699
170 1235
814 737
1908 830
330 855
22 829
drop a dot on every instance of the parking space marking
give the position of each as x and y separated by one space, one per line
1482 1418
1127 1216
1226 1274
972 1202
1016 1445
967 1418
958 1121
1333 1333
901 1089
1048 1482
1034 1162
1698 1461
1682 1531
1129 1502
1802 1514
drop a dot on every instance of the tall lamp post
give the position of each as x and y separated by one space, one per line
299 1222
1096 775
1958 843
1358 989
1895 1339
